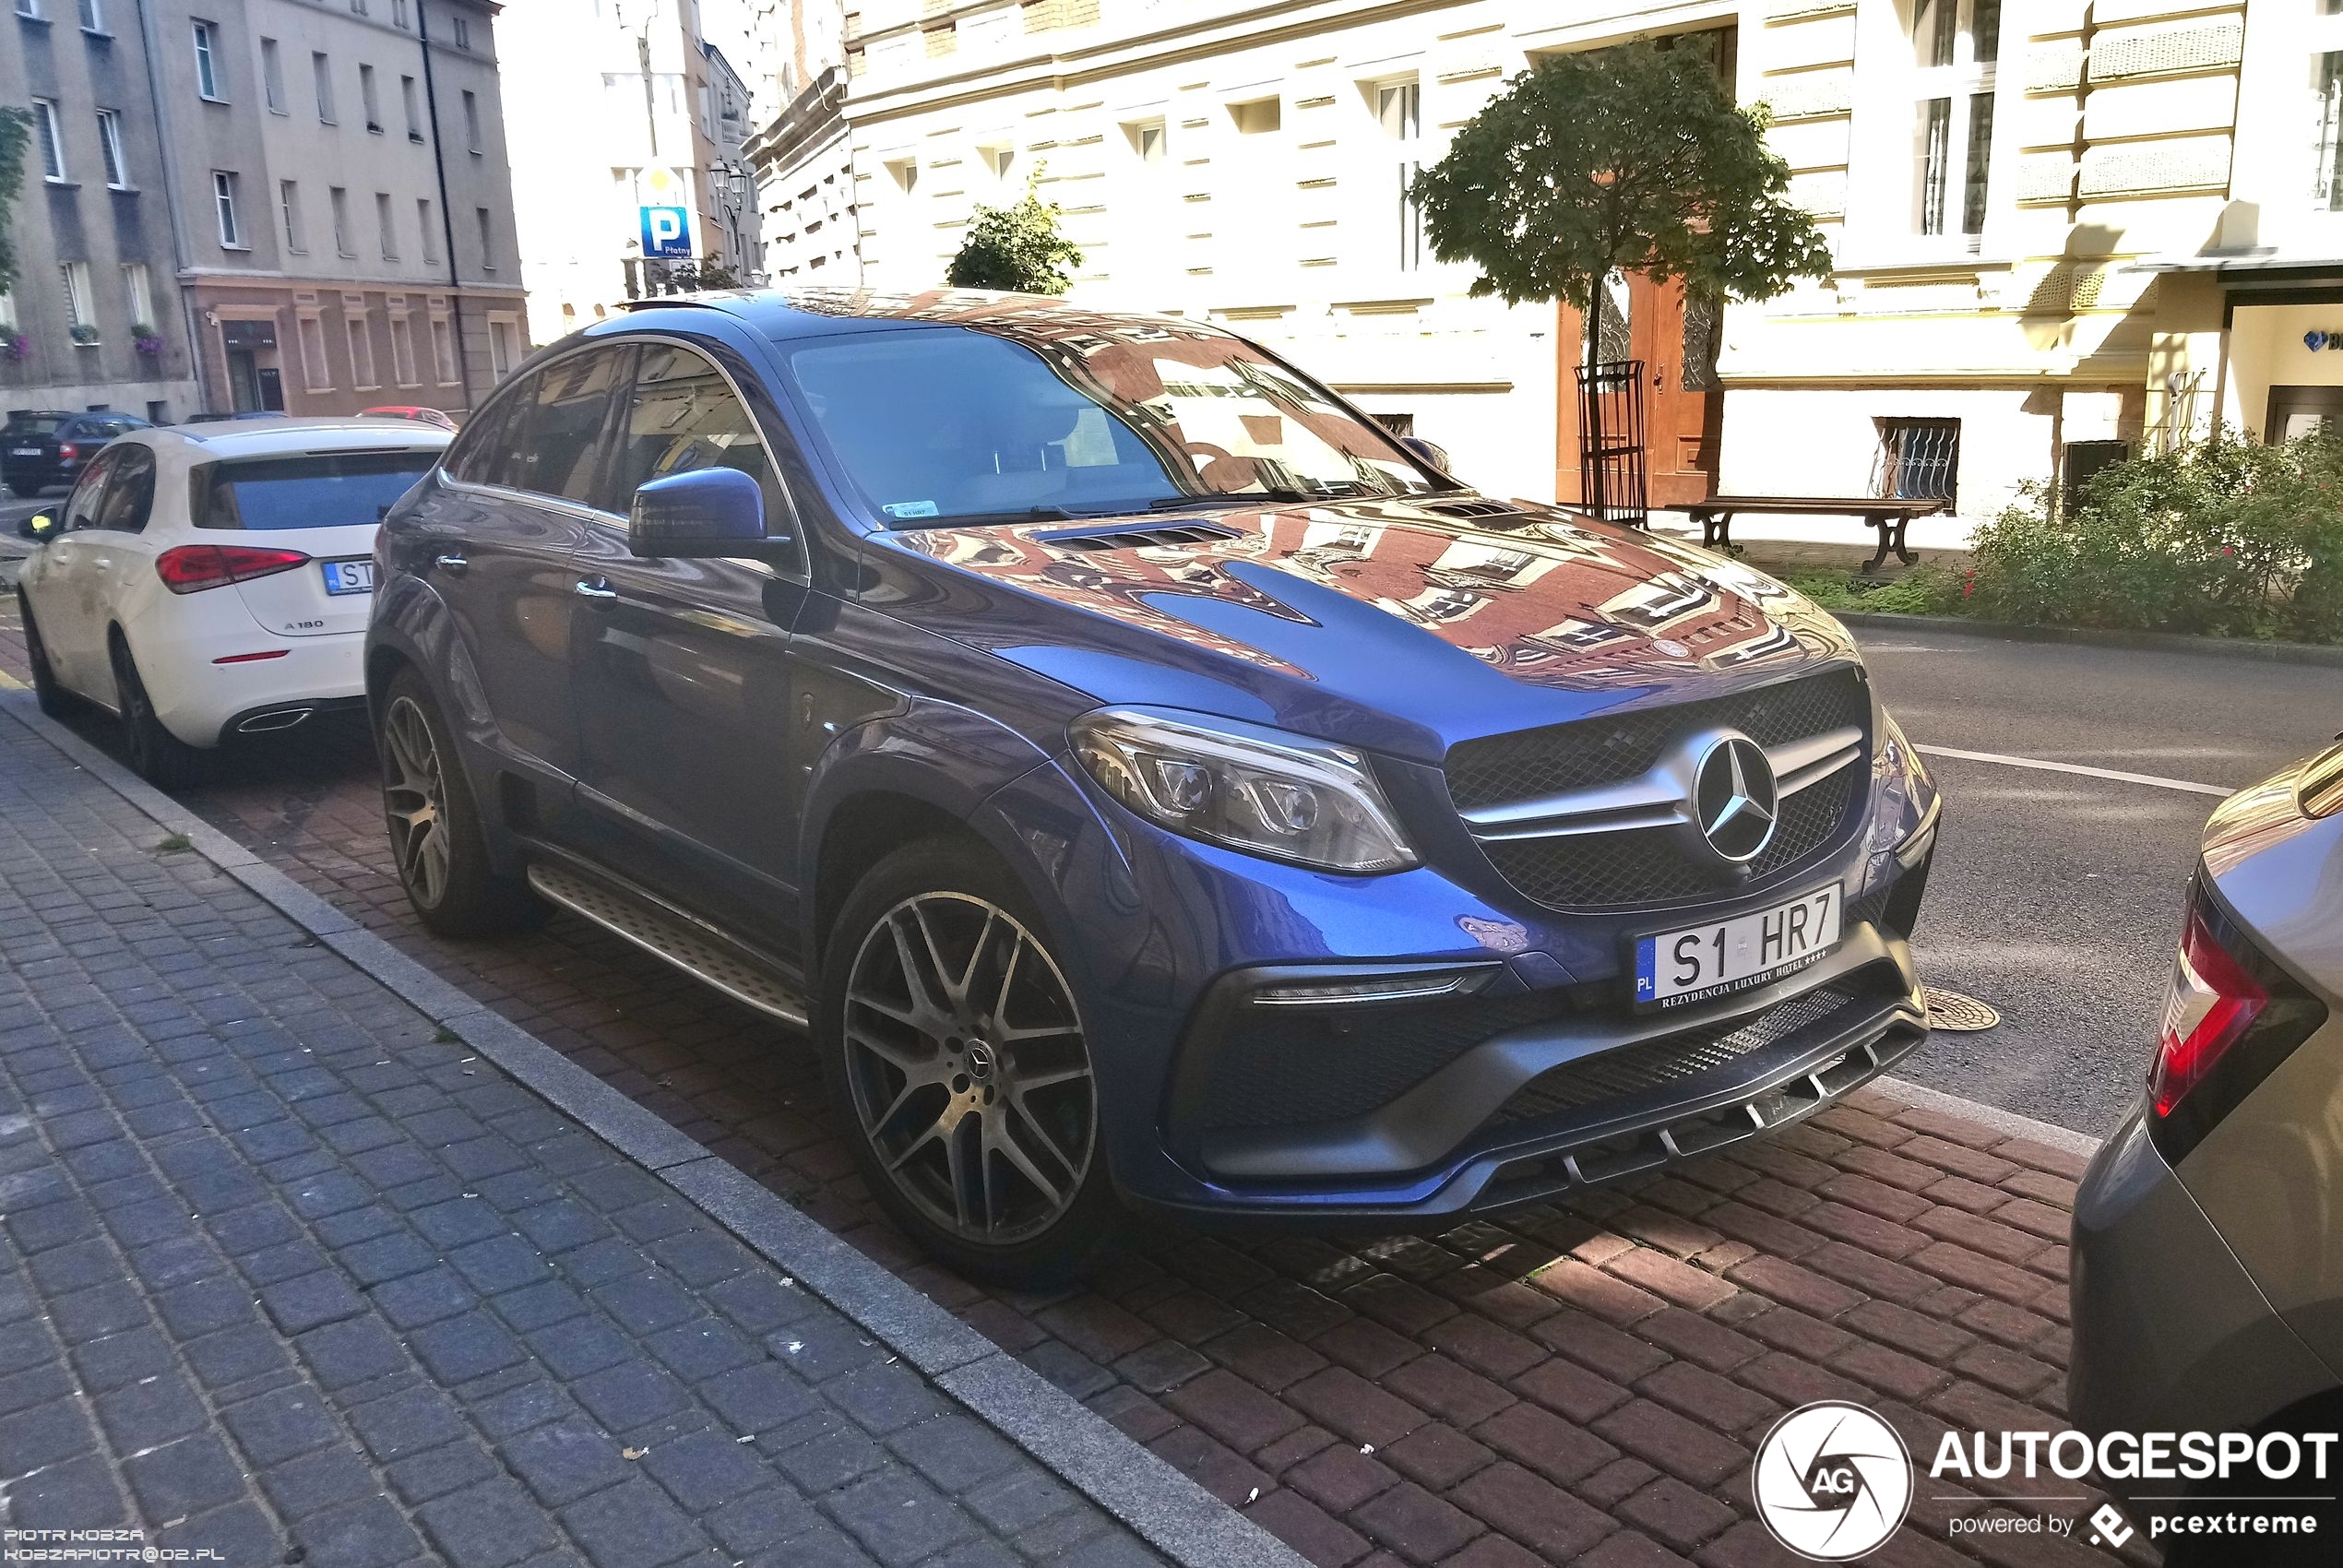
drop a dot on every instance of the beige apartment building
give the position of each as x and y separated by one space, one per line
2063 227
344 213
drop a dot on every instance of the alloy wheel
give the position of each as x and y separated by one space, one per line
414 800
969 1072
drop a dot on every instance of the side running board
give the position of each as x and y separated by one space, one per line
691 948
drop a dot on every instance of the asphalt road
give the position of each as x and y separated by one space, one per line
2056 898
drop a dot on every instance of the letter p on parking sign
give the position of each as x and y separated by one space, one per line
667 233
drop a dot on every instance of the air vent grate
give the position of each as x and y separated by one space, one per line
1138 536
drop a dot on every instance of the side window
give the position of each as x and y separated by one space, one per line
89 495
562 451
485 453
684 415
131 495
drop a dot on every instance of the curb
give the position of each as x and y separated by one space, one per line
2085 636
1920 1096
1163 1507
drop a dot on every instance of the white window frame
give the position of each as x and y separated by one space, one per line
443 350
402 351
207 81
1954 86
223 208
30 10
80 309
337 201
399 16
486 222
471 123
383 221
272 75
321 71
138 294
413 105
426 224
1397 103
359 339
370 99
317 367
463 33
506 347
110 151
49 136
93 17
1150 141
289 213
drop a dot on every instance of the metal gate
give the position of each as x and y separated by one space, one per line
1611 476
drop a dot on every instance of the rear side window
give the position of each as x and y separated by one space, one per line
684 415
130 493
560 453
328 489
484 453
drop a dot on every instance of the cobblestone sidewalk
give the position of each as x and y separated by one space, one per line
288 1275
1578 1382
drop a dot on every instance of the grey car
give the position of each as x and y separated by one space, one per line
2208 1231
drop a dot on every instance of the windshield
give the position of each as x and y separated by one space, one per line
31 427
946 424
331 491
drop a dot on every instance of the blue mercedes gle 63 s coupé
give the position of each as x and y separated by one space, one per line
1154 785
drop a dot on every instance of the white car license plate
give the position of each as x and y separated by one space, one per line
24 451
1674 968
349 576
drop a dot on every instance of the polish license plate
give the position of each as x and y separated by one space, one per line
1676 967
348 576
24 451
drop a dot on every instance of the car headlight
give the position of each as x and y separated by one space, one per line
1259 790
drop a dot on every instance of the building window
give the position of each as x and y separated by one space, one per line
402 353
906 172
999 160
208 80
362 352
1149 141
338 199
272 75
138 296
504 345
289 209
471 122
321 69
413 102
52 139
1918 459
1956 47
80 315
368 100
382 221
29 9
8 309
1398 107
487 238
357 7
428 228
110 147
463 33
223 201
443 351
314 369
1259 117
93 16
398 17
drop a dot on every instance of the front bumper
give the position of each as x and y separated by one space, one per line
2171 1335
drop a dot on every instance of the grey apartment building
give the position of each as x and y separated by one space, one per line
333 222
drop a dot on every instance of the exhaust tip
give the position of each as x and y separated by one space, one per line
283 718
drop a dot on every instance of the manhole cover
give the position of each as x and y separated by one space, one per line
1950 1010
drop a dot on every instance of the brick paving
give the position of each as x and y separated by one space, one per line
289 1276
1577 1381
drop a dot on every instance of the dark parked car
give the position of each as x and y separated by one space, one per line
40 447
2208 1257
1154 783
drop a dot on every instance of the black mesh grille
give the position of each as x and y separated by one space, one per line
1531 763
1650 865
1285 1066
1653 1063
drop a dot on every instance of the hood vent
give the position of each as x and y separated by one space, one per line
1473 508
1134 536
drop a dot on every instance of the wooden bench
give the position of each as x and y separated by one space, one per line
1884 514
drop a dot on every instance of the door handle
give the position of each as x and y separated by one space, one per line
596 589
451 564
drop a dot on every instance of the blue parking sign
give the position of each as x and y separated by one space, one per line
667 231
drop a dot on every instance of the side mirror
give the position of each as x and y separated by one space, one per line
1427 452
39 529
705 511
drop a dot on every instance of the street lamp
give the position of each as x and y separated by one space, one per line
733 185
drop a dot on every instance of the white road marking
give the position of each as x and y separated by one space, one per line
2217 789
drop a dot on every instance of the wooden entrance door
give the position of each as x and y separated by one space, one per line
1677 340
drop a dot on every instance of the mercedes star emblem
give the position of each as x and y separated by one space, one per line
1735 800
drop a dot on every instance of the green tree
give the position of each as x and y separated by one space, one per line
1016 247
1631 159
16 133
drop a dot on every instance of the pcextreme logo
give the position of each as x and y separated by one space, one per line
1832 1481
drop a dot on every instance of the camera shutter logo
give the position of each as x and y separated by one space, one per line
1832 1481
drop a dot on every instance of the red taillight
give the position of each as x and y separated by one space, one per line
191 568
2212 1002
67 451
251 658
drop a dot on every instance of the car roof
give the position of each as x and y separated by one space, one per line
269 438
785 314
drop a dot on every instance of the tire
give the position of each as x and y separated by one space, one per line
435 831
54 700
160 758
979 1136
